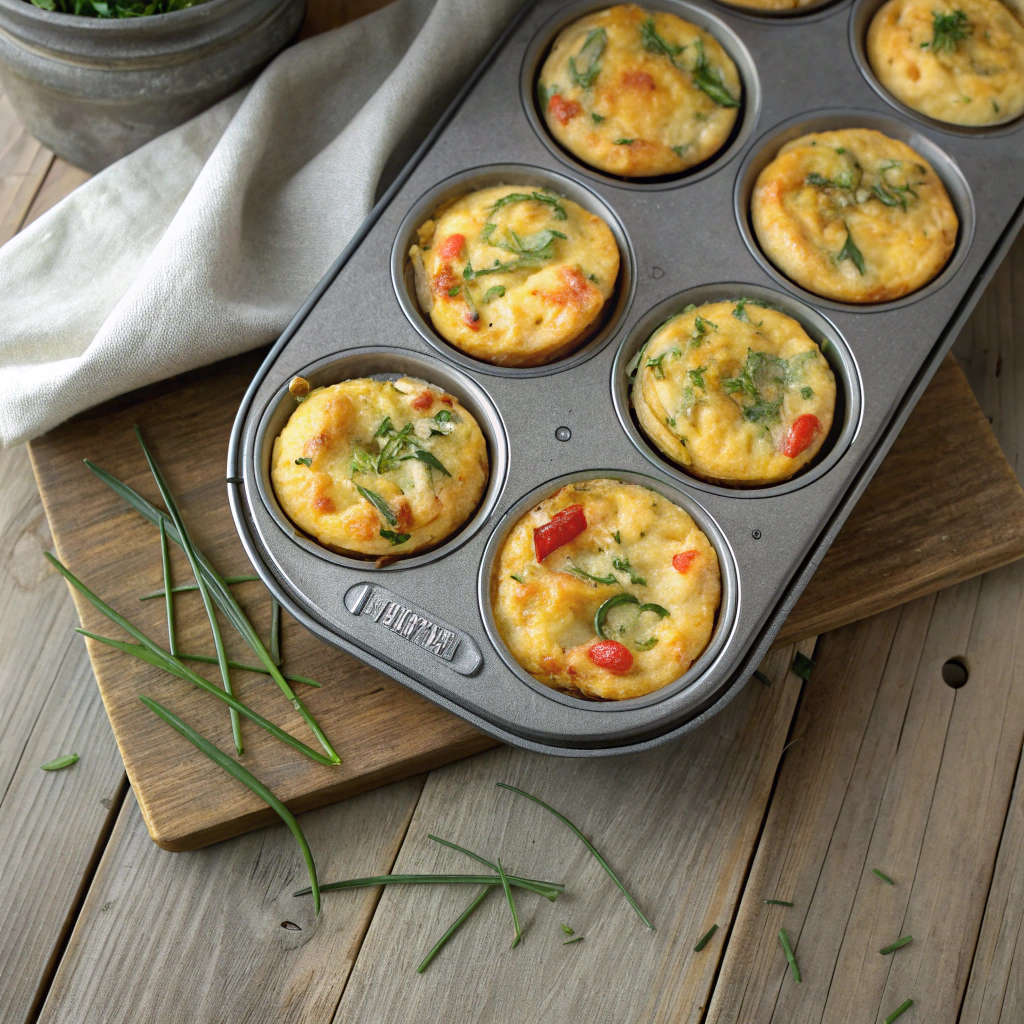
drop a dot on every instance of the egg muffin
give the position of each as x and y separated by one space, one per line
734 392
853 215
606 590
379 468
961 62
639 93
772 5
515 275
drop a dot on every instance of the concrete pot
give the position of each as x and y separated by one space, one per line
95 89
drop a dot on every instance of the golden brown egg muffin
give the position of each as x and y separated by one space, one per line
772 5
854 215
639 93
515 275
960 61
606 590
735 393
379 468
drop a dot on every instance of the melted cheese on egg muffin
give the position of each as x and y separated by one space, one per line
606 590
379 468
853 215
772 5
960 61
639 93
735 393
515 275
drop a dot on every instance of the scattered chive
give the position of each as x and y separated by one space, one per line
705 939
788 949
568 930
275 631
761 677
153 654
168 591
186 588
59 762
247 779
803 666
896 945
885 878
190 554
779 903
456 925
544 889
511 904
899 1011
488 880
569 942
224 599
304 462
518 579
586 842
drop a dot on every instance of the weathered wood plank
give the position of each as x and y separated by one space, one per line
61 180
679 823
202 937
23 165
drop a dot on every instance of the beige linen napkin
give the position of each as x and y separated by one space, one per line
204 242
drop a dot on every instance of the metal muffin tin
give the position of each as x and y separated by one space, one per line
426 621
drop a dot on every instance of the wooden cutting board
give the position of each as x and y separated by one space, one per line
944 506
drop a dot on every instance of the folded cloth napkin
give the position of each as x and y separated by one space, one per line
203 243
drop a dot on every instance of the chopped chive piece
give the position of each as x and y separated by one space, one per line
803 666
885 878
788 949
586 842
454 290
494 292
595 117
892 947
568 930
546 889
428 459
761 677
187 588
705 938
304 462
456 925
275 631
618 539
624 142
395 538
899 1011
518 579
489 880
59 762
168 590
582 574
569 942
511 905
379 504
709 80
779 903
807 393
247 779
850 252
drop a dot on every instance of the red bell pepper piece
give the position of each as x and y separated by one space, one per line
450 248
564 526
611 655
801 434
683 560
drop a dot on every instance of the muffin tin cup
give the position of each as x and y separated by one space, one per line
767 147
694 687
703 18
862 15
846 419
426 620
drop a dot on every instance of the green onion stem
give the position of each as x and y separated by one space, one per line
187 588
190 554
586 842
224 599
896 945
456 925
491 880
483 860
275 631
899 1011
150 652
246 777
705 938
165 562
788 949
884 877
511 905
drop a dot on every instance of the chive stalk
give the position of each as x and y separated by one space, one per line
587 843
788 950
779 903
489 880
187 588
705 938
494 867
275 631
223 597
247 779
456 925
511 905
899 1011
892 947
165 562
575 938
884 877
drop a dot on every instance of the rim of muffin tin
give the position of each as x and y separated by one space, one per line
767 147
699 682
749 111
487 176
382 363
861 16
820 9
833 346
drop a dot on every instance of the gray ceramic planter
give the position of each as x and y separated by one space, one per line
95 89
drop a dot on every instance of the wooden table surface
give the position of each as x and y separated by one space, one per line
875 762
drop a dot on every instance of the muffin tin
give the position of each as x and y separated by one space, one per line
426 620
